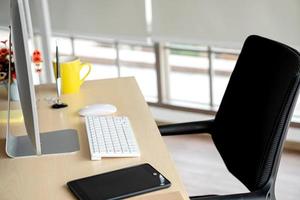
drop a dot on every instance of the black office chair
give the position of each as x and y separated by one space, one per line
250 126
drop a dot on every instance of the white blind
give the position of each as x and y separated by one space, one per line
99 18
226 22
4 13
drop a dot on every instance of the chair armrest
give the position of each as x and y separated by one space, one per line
186 128
258 195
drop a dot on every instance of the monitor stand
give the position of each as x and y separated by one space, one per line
54 142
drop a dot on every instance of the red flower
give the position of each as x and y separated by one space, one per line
3 59
4 52
13 75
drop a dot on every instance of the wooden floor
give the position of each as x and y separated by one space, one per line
203 172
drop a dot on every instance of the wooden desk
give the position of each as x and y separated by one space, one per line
45 177
163 196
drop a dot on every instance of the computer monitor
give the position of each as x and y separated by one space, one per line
33 143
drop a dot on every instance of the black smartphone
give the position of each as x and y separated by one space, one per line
119 184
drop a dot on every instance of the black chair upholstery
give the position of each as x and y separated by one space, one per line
250 126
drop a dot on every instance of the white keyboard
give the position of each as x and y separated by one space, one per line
110 136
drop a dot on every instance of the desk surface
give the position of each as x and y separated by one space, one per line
45 177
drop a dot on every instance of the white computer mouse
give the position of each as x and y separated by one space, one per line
98 109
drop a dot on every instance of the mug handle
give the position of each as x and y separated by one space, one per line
82 65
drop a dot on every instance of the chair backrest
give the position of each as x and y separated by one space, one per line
252 121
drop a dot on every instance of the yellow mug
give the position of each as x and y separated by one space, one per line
70 67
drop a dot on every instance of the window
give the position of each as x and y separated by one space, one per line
64 44
139 61
296 117
188 76
196 77
188 68
4 34
101 54
223 63
112 59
